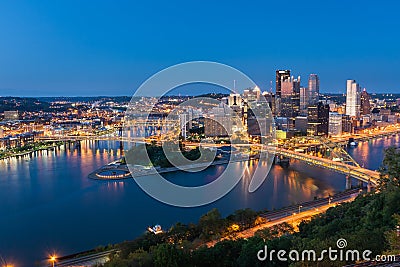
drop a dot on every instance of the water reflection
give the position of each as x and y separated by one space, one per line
47 201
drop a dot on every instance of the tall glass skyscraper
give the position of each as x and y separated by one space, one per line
290 99
365 108
281 75
303 100
313 89
353 100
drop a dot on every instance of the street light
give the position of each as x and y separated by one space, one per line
300 206
4 263
53 259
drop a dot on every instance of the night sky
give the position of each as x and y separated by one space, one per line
82 48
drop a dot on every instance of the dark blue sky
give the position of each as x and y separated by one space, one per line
110 47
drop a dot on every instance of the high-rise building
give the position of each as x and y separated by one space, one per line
252 94
281 75
353 98
347 125
313 89
335 124
290 98
301 124
270 98
303 100
219 122
365 103
323 118
259 121
318 120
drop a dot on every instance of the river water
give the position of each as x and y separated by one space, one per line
47 203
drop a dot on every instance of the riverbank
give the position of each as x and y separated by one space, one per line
247 224
10 154
115 171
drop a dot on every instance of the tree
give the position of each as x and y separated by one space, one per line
165 255
210 224
390 170
393 238
275 231
244 217
140 258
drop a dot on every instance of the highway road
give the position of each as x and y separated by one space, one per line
291 214
88 260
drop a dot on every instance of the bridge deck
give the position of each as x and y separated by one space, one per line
360 173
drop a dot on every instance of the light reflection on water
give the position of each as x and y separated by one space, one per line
47 202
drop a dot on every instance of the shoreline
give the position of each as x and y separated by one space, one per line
24 153
152 170
321 205
142 171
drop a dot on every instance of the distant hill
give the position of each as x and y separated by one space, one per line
23 104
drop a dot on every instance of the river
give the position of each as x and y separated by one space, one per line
47 203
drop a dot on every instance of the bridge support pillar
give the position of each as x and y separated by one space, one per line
348 182
121 148
360 183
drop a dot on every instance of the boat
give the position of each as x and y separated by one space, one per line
156 229
352 142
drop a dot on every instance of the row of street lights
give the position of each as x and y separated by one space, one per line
300 206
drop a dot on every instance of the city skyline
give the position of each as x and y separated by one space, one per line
76 49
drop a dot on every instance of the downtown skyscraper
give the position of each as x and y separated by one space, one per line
365 108
353 98
290 99
313 89
280 76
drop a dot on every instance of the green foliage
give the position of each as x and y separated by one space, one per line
165 255
393 238
151 154
211 224
270 233
244 217
390 170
